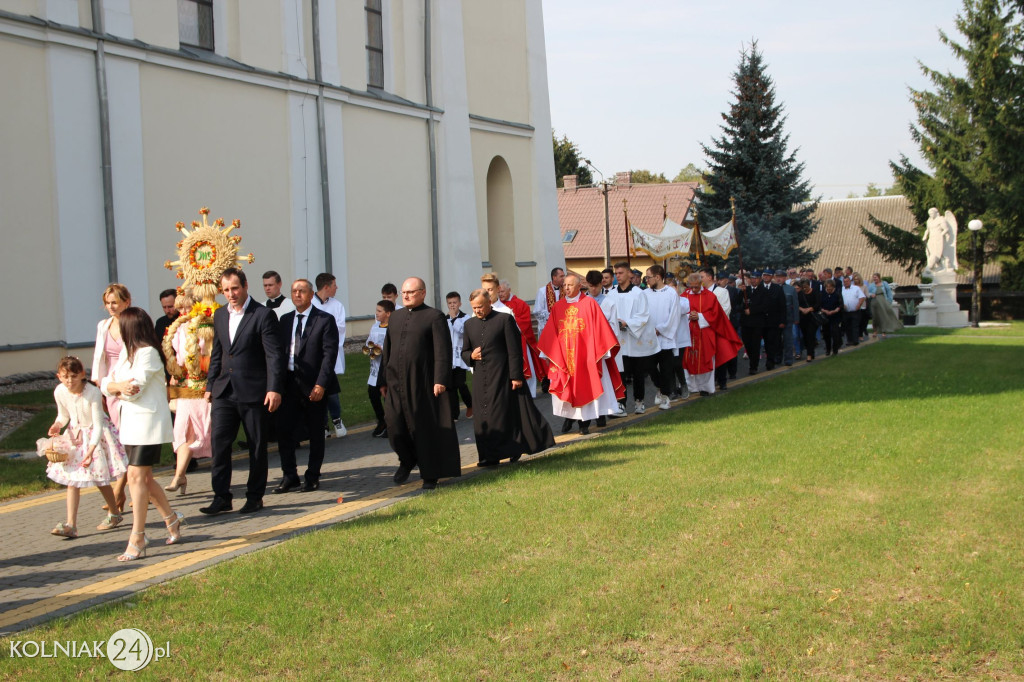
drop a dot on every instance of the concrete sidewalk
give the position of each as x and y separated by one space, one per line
44 576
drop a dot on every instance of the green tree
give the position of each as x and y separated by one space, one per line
646 177
569 161
690 174
751 163
970 131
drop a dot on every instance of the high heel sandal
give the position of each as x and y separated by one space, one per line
179 521
176 485
140 552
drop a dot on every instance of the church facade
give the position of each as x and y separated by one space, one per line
375 139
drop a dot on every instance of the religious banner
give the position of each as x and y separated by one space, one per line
674 240
720 242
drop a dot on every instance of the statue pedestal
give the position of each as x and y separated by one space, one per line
939 307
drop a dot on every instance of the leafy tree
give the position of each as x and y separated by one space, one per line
690 174
646 177
751 163
568 161
970 130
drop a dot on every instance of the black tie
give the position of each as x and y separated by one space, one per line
298 334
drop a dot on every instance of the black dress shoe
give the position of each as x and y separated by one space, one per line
251 507
429 483
752 372
515 458
218 505
310 486
723 387
585 429
567 426
602 421
705 393
402 475
286 485
381 429
488 463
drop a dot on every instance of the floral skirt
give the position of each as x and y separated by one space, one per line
109 461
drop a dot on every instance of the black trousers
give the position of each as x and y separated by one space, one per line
227 415
809 332
851 323
678 376
832 334
660 370
376 402
298 411
772 345
637 369
459 388
722 375
752 343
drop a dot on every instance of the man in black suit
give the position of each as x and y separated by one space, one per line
245 383
775 318
752 321
309 337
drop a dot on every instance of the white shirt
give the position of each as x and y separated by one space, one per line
723 297
457 327
286 307
235 319
664 306
683 339
499 306
291 344
335 308
638 338
852 298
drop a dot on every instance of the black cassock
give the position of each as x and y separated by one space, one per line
417 355
506 422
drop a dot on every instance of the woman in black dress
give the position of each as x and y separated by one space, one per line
809 305
831 306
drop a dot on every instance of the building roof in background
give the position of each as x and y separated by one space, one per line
841 242
581 209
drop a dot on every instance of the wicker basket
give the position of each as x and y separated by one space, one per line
54 455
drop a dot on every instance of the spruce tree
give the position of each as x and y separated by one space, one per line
750 162
970 131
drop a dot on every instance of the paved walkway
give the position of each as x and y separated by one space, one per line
44 576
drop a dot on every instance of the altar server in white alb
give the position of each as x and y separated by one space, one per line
547 296
637 338
326 288
663 303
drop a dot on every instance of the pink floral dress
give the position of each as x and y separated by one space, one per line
87 425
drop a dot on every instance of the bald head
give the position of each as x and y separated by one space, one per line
414 290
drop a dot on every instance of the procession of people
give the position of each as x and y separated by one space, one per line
273 370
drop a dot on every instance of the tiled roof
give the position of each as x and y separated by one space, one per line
841 242
582 209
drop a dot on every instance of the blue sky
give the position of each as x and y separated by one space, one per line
642 84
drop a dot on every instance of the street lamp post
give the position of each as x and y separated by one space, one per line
975 227
607 225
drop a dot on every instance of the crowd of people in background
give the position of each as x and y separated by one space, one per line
272 369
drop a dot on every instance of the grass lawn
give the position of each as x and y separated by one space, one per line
862 519
27 475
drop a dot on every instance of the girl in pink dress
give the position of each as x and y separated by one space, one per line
116 299
95 456
192 410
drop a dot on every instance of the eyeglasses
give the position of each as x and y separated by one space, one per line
410 293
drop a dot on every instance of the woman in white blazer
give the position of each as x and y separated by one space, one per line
138 381
116 298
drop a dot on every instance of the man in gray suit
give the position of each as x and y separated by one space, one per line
792 318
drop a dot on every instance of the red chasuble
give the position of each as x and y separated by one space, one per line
521 310
714 345
575 340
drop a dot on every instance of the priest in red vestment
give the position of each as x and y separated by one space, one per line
576 342
713 340
534 369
